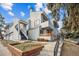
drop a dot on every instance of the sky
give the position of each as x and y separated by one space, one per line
19 10
22 11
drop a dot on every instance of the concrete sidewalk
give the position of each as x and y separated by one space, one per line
48 49
4 51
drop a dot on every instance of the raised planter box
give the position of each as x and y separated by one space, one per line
30 52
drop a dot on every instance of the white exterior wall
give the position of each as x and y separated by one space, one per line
34 32
44 24
15 32
27 27
35 18
15 35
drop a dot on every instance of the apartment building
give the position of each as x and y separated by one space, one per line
39 27
16 30
36 27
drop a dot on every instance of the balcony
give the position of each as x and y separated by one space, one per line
44 24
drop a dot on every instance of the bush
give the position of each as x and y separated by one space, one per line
68 35
76 35
72 35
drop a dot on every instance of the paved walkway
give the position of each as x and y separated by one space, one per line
4 51
48 49
70 49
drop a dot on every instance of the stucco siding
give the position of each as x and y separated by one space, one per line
34 33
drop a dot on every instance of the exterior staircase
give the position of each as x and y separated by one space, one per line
24 32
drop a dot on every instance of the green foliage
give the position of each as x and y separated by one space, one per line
27 46
54 7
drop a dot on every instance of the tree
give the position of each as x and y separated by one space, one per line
54 7
2 22
71 23
1 37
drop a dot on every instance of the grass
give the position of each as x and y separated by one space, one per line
27 46
8 42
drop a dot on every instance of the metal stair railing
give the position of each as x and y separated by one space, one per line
24 32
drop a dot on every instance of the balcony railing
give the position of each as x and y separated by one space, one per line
44 24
